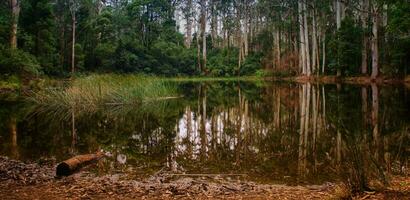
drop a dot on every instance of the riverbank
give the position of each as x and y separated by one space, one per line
20 180
7 86
358 80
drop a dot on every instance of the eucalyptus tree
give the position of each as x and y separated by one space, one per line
73 6
15 13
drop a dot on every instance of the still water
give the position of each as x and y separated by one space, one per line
261 131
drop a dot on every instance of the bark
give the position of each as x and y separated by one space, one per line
323 53
15 12
203 34
338 25
73 9
73 45
198 45
72 165
314 46
245 34
188 28
307 47
302 60
277 47
375 46
214 23
364 18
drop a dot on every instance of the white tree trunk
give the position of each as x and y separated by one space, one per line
188 18
375 39
302 61
314 46
307 47
364 18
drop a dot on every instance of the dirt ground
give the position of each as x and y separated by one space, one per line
33 181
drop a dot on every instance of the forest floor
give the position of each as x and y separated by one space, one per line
20 180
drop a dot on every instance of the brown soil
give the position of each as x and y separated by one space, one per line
33 181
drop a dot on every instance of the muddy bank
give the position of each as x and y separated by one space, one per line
36 181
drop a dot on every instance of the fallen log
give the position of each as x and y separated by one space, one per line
73 164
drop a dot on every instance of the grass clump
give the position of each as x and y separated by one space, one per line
10 83
92 92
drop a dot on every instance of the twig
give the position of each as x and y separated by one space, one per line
207 174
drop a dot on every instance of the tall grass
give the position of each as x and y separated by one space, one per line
95 91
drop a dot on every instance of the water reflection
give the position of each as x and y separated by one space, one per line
272 132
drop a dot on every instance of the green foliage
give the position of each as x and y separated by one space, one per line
37 34
223 62
345 48
252 64
141 36
10 83
399 38
15 61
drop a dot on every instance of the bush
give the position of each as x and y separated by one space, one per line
15 61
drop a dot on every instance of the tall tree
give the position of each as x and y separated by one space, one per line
364 19
203 22
375 39
15 12
188 13
73 6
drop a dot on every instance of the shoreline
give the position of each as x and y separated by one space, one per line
352 80
24 180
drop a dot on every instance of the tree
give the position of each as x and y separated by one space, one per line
15 13
188 13
73 6
375 40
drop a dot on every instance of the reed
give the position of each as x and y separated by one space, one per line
95 91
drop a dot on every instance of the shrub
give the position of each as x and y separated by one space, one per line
15 61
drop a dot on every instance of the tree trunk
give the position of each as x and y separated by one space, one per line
72 165
314 45
302 60
307 50
15 12
203 33
364 18
74 20
324 53
338 25
188 18
375 39
277 48
245 32
214 24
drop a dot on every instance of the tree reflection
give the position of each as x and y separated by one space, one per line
277 132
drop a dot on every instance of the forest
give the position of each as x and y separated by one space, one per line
205 99
204 37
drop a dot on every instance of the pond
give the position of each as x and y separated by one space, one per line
267 132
